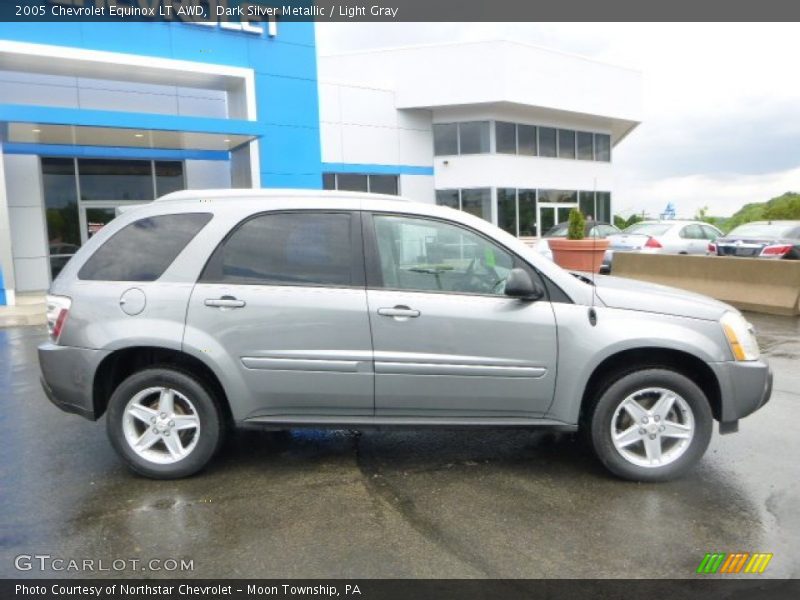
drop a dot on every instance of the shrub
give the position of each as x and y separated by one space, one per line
577 225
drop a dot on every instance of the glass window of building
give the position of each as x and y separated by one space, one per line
473 137
448 198
547 142
604 206
383 184
61 210
566 143
561 196
585 146
507 210
586 204
360 182
169 177
477 202
526 140
527 213
602 147
102 179
352 182
445 139
505 137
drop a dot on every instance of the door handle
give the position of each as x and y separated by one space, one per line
399 311
225 302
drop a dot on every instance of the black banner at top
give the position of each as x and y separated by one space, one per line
245 11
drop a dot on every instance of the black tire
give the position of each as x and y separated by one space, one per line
209 415
602 413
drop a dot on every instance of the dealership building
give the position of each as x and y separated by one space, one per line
96 116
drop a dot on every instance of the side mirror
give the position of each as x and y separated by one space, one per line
520 285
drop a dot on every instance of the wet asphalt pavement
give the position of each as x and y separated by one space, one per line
396 503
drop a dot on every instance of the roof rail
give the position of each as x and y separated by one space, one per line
243 193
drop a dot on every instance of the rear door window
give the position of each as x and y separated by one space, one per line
144 249
301 248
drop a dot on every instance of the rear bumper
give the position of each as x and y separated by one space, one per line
68 376
745 387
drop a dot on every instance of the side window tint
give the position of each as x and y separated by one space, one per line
710 232
692 232
286 249
425 255
144 249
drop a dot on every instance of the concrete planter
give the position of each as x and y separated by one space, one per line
578 255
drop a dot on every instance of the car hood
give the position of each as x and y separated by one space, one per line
630 294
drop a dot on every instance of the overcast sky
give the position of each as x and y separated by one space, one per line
721 101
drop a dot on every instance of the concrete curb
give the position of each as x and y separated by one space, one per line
30 309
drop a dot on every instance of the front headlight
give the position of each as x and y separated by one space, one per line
740 336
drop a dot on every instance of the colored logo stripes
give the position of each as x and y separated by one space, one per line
734 563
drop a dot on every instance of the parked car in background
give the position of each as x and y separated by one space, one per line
670 236
762 239
596 229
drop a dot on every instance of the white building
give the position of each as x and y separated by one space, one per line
511 132
98 116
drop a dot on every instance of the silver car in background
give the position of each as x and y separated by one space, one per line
669 236
211 309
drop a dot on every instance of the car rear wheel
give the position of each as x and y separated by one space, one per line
164 423
651 425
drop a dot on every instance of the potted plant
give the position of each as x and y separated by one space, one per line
576 253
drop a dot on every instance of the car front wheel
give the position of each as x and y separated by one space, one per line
651 425
163 423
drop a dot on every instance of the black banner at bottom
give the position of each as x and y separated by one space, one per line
391 589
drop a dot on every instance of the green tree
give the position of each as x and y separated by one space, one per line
576 229
785 206
622 223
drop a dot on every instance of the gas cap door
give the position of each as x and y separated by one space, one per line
132 301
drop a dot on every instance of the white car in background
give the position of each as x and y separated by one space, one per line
671 236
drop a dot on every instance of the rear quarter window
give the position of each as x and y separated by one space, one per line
144 249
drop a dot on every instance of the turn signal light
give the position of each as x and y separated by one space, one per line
778 250
652 243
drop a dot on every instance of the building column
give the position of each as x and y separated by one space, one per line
6 258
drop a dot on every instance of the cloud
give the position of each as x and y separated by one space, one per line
721 101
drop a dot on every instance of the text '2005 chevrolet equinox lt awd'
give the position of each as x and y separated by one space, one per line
333 309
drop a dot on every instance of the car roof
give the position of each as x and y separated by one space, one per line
786 222
275 193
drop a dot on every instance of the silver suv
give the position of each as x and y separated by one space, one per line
283 309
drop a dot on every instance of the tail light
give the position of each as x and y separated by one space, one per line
712 248
652 243
57 312
777 250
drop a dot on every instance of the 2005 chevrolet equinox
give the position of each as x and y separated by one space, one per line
332 309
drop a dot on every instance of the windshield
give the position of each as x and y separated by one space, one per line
761 230
558 231
647 229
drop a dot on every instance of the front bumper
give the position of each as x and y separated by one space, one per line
745 387
68 377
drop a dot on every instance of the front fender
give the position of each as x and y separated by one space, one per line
583 347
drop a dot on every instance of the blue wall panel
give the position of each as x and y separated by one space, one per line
286 76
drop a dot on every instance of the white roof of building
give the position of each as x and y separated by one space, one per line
545 83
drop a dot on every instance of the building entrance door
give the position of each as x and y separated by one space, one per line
94 217
550 214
